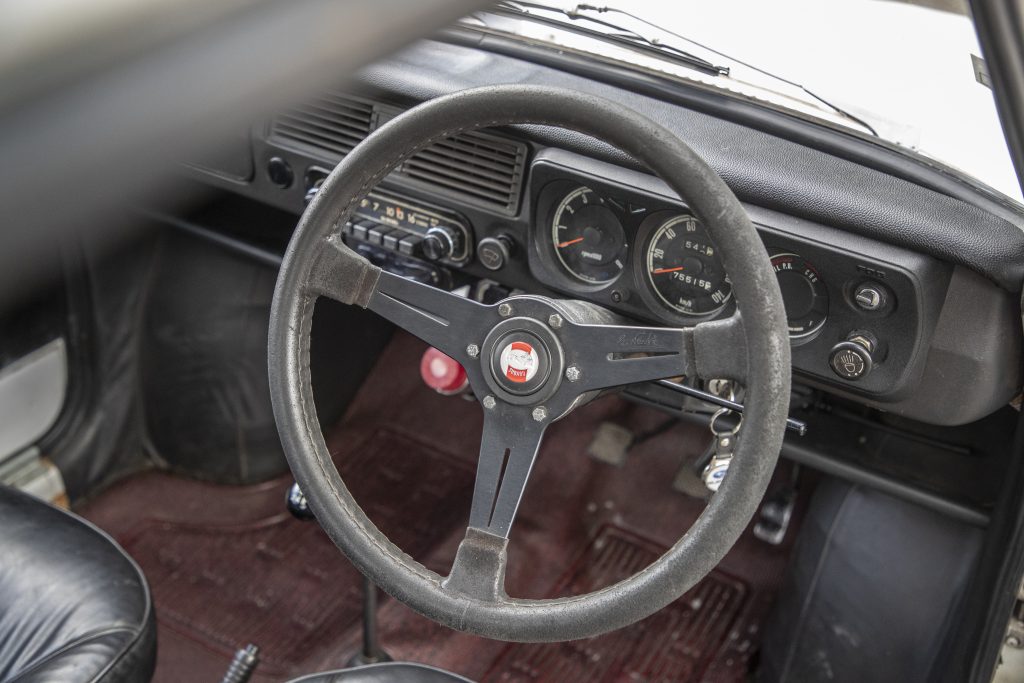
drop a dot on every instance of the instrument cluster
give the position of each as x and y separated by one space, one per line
658 258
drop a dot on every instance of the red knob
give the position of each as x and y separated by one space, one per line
442 374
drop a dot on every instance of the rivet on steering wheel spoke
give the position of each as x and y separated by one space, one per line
572 373
472 350
555 321
540 413
505 310
490 402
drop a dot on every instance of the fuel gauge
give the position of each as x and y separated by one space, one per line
803 292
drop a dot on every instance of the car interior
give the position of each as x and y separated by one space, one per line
499 360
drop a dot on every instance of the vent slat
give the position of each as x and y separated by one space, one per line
476 143
336 116
493 169
349 102
467 176
324 129
312 137
333 123
458 187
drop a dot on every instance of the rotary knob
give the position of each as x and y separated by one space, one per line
852 358
441 243
493 252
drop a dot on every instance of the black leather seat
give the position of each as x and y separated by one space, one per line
389 672
73 605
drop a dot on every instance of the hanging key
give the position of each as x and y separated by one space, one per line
724 446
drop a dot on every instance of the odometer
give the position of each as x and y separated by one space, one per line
588 238
683 269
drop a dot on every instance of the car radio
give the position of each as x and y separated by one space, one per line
411 229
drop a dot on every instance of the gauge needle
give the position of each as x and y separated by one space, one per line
659 271
562 245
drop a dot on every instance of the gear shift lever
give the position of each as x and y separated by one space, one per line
371 652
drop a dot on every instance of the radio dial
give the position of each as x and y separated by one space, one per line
440 243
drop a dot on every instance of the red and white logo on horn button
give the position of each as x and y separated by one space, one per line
519 361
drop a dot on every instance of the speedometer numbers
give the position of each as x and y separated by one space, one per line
588 238
683 270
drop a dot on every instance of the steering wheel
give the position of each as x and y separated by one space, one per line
530 360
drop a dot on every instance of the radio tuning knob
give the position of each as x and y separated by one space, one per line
440 243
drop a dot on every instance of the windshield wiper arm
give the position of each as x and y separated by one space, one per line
623 36
578 11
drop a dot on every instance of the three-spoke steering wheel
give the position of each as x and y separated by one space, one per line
530 360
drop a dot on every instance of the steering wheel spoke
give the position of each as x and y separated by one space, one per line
508 449
604 356
445 321
720 349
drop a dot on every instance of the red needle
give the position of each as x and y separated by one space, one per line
565 244
659 271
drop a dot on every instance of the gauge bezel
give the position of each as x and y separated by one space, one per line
646 233
803 337
552 230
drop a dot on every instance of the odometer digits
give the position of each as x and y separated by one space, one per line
683 269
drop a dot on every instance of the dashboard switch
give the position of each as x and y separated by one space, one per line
440 243
870 297
376 235
361 230
493 252
851 358
411 245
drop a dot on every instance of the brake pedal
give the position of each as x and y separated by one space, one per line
774 516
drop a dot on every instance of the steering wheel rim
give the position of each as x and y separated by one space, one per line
754 349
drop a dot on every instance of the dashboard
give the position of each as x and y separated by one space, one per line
911 331
858 312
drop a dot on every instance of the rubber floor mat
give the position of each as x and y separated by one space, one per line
228 566
677 644
281 583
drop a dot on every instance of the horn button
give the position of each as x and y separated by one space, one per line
524 361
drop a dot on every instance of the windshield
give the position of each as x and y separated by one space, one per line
904 72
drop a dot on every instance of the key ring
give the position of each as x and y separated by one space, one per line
720 413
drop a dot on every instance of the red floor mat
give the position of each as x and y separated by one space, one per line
228 567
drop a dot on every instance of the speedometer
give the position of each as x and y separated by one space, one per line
588 238
682 268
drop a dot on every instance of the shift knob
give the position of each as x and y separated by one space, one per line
297 504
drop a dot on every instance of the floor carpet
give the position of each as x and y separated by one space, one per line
228 566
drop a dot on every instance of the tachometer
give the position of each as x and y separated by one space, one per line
803 293
588 238
683 269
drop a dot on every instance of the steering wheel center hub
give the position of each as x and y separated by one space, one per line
523 361
520 363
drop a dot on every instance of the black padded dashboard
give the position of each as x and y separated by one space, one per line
951 268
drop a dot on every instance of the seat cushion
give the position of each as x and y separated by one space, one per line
388 672
73 605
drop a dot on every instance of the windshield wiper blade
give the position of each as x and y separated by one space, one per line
578 11
622 36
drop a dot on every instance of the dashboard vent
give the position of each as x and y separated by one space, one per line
333 123
481 168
